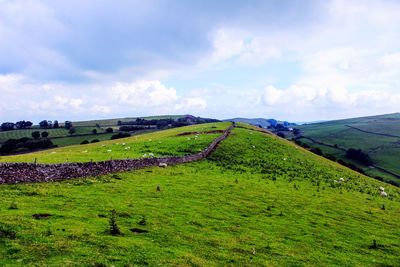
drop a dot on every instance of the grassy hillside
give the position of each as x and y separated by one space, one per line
259 200
162 143
379 136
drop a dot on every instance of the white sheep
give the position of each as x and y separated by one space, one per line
151 155
127 148
109 150
144 155
84 151
163 164
381 189
123 144
383 194
284 158
341 180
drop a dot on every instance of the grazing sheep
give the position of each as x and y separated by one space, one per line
109 150
151 155
383 194
162 164
341 180
127 148
284 158
381 189
123 144
84 151
254 146
144 155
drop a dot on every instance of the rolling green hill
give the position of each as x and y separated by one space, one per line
257 201
379 136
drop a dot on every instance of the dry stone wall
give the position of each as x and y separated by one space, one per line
11 173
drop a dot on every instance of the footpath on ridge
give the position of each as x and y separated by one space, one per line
18 172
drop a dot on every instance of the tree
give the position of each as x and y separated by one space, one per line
280 134
359 155
296 131
68 125
23 124
45 134
44 124
35 135
7 126
94 131
55 124
109 130
72 131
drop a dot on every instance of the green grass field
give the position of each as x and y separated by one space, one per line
162 143
257 201
384 150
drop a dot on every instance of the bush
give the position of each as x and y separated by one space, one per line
280 134
114 229
95 141
316 150
359 155
120 135
109 130
84 142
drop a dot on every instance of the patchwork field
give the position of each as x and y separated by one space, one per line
379 136
257 201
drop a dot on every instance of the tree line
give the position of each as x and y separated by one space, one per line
44 124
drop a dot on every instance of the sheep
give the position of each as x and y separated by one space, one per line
284 158
151 155
127 148
144 155
109 150
123 144
383 194
341 180
381 189
84 151
163 164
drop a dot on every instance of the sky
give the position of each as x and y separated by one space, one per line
294 60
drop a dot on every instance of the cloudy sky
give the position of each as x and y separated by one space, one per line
296 60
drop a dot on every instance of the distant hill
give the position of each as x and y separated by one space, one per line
377 136
265 123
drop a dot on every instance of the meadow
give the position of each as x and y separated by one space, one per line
162 143
383 150
258 200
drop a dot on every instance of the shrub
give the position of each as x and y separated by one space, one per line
359 155
114 229
95 141
120 135
280 134
84 142
109 130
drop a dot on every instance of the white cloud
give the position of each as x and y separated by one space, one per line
191 103
143 94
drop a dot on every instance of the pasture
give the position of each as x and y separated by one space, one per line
162 143
374 135
257 201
